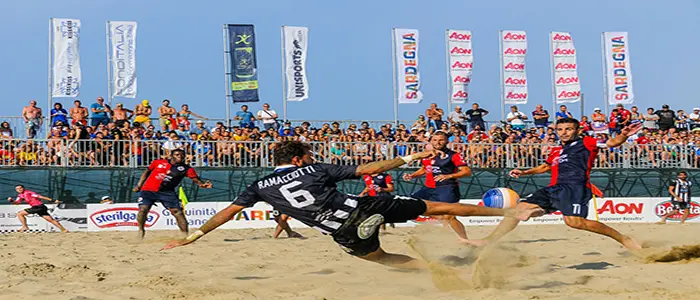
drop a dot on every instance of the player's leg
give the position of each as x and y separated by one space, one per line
141 218
22 216
600 228
180 219
172 202
664 217
394 260
509 223
520 212
451 195
53 221
283 225
686 213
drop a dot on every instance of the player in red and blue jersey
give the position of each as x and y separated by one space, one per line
381 184
570 188
158 183
441 173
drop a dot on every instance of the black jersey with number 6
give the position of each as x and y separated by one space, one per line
308 194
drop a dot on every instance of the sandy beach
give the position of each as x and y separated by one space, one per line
535 262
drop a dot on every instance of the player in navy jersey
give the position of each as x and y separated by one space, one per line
378 185
680 197
441 173
158 184
570 188
307 192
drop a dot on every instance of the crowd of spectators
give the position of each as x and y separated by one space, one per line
104 136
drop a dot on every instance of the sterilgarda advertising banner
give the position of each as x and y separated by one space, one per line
567 87
461 61
242 59
406 64
617 68
513 58
122 37
67 77
296 44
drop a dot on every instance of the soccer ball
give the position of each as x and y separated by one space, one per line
501 198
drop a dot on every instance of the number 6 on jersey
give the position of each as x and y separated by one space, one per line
292 196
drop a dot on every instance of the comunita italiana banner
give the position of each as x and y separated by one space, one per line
122 36
461 61
513 54
567 88
67 76
406 60
617 68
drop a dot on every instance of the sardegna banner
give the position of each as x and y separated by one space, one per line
67 76
406 64
461 61
242 60
617 68
513 57
122 36
567 88
296 44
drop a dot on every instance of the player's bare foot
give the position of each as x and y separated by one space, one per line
661 222
296 235
65 230
23 229
142 233
630 243
524 214
475 243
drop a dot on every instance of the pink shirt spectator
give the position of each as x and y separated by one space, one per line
30 198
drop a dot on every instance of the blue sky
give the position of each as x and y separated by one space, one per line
179 50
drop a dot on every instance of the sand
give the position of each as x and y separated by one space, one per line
535 262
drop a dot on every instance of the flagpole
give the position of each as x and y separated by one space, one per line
109 65
554 75
227 76
447 63
49 97
393 67
605 74
284 79
503 100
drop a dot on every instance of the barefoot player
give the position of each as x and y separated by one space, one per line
570 187
441 185
158 183
307 192
37 207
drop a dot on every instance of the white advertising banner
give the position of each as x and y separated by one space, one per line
617 68
461 62
122 36
513 59
9 221
67 77
296 45
122 216
567 88
406 60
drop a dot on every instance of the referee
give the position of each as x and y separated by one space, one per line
680 197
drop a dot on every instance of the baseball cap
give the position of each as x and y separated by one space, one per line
106 197
200 122
696 108
596 109
144 102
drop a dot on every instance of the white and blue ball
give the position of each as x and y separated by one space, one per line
501 198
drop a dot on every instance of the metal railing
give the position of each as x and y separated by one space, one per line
98 153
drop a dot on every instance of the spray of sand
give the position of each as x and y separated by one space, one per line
676 253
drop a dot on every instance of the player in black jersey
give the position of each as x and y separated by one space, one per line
680 197
307 191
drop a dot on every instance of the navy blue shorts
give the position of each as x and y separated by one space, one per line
445 194
570 199
169 199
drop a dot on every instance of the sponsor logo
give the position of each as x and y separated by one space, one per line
460 50
567 80
568 94
560 51
254 215
512 36
516 96
410 65
462 65
515 51
561 37
460 36
565 66
514 66
460 95
462 79
516 81
297 55
620 69
121 217
666 207
621 208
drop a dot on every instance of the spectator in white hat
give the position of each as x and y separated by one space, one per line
106 200
694 118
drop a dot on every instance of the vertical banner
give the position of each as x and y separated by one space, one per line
296 42
66 58
461 61
406 60
122 36
617 68
244 71
567 88
513 57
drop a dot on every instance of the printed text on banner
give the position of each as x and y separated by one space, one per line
567 88
296 42
461 61
123 39
617 68
67 77
514 46
408 81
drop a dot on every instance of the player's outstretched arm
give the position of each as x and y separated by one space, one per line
543 168
625 133
386 165
217 220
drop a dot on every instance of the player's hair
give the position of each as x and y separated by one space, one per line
286 150
569 121
683 172
178 150
19 185
438 132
